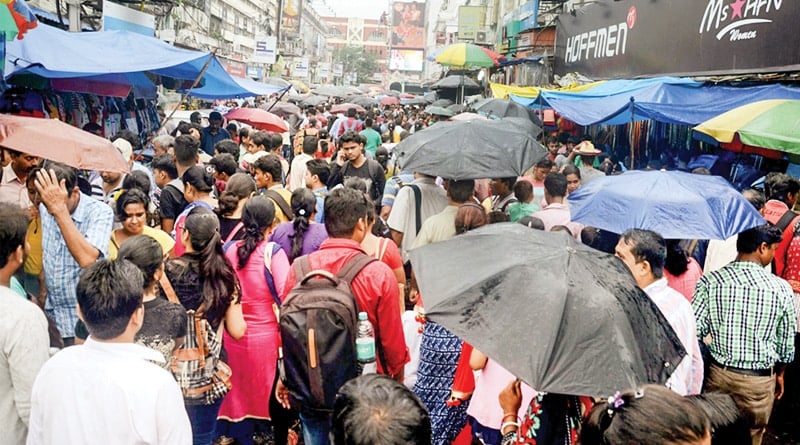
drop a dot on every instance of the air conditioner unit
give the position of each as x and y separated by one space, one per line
482 36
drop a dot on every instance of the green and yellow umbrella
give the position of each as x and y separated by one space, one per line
768 124
16 18
467 55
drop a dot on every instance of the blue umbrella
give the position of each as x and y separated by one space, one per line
675 204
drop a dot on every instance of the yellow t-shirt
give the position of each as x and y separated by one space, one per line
34 261
166 242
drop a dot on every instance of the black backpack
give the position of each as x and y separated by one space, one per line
318 323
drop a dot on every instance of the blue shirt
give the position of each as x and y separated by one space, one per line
94 220
207 140
320 194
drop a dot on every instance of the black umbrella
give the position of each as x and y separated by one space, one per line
313 101
364 101
444 103
472 150
561 316
506 108
455 82
282 109
459 108
331 91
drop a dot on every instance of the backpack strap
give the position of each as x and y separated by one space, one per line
233 233
786 218
281 202
166 286
354 266
271 249
417 205
375 170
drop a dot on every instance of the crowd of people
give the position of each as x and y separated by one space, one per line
111 281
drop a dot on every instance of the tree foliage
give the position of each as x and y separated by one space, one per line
355 59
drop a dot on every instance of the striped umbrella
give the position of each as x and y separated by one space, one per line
768 124
467 55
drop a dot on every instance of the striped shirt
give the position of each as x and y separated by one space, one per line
749 313
93 219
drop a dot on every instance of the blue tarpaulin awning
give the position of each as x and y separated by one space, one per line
670 100
111 57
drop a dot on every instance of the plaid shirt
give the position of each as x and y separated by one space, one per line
749 313
94 220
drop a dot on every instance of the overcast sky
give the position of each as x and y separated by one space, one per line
369 9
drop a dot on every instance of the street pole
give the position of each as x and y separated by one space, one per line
74 15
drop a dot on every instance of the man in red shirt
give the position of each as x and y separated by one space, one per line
374 288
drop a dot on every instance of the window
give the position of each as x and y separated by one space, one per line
377 36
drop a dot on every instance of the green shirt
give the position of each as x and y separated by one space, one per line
373 140
749 313
519 210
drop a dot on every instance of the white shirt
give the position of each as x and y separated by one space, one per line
687 379
403 217
297 173
107 393
24 348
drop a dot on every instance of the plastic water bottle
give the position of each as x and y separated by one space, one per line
365 345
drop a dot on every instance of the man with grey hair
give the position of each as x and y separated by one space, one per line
163 145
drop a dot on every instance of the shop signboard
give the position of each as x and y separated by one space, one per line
338 70
406 60
119 17
265 49
470 21
300 68
290 16
408 24
624 39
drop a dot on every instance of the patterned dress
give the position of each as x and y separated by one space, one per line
439 352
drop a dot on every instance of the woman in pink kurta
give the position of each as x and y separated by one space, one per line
253 358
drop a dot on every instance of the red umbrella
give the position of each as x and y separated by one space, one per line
342 108
495 56
390 100
407 96
258 118
57 141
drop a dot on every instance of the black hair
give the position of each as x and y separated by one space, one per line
186 150
137 180
131 137
239 186
257 215
219 282
523 191
460 191
343 208
470 216
728 426
166 164
63 173
310 145
146 253
244 132
261 138
647 245
304 203
570 169
751 239
755 197
599 239
201 178
351 136
649 415
531 222
555 184
509 181
227 146
276 141
270 164
545 162
321 168
677 261
356 183
224 163
231 127
374 409
13 228
128 197
780 186
108 294
195 117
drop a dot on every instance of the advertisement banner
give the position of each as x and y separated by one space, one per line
235 68
408 24
255 72
300 68
406 60
338 70
265 51
290 16
625 39
470 21
324 70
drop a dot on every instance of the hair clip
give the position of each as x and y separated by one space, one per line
614 403
639 393
301 212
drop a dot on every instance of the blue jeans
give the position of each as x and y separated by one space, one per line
204 421
316 429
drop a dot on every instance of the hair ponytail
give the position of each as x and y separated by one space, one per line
304 203
258 214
